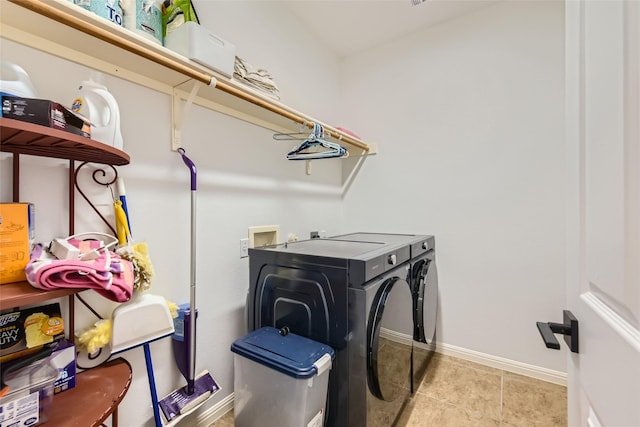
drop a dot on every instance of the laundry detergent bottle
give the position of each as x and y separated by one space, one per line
15 81
96 103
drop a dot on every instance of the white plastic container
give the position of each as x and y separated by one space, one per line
280 380
97 104
15 81
202 46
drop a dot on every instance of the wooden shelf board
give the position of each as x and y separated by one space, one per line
63 23
19 294
26 138
97 393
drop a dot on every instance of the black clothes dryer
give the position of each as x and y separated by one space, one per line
354 295
422 277
423 281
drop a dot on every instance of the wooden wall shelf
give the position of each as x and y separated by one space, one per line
71 32
19 294
26 138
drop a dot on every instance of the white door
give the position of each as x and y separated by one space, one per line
603 245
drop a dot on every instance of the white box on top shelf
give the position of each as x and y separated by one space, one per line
202 46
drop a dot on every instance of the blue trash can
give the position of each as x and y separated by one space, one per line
281 379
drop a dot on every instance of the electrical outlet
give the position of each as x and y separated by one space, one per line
244 248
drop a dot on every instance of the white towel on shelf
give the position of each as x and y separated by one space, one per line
259 79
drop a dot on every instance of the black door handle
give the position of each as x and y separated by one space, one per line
569 329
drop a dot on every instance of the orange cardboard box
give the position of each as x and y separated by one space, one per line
16 237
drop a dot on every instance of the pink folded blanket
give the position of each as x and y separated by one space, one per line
107 274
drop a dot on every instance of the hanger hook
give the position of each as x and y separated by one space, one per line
318 131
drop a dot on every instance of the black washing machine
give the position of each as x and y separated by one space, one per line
422 279
354 295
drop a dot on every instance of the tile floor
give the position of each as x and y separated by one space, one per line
457 393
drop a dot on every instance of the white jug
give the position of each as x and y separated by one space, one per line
15 81
98 105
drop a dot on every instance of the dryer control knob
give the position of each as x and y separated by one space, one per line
392 259
425 245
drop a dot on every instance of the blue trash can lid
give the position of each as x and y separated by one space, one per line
290 354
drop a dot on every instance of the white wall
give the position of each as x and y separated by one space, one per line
468 116
469 120
243 180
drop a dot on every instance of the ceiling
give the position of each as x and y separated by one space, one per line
351 26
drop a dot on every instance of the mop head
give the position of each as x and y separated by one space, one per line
179 404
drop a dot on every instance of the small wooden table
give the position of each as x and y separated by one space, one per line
96 396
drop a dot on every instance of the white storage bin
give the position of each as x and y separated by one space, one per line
202 46
280 380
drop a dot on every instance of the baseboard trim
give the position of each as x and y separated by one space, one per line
544 374
537 372
212 414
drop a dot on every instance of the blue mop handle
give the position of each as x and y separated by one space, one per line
152 385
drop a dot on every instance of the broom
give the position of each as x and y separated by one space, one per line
185 400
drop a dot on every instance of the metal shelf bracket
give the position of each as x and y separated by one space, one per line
179 112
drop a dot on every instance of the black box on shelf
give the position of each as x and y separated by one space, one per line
46 113
25 331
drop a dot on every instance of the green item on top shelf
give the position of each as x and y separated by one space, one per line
176 13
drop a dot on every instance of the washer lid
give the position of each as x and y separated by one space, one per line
379 237
328 248
364 260
290 354
419 243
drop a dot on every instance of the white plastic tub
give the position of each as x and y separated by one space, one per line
202 46
280 381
